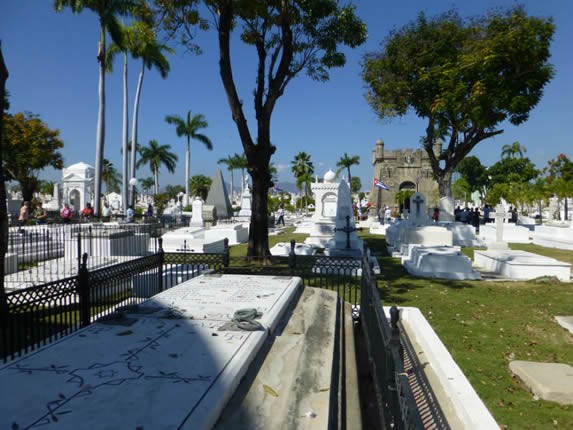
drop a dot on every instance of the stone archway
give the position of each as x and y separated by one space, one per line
407 185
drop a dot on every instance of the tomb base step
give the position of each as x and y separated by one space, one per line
296 382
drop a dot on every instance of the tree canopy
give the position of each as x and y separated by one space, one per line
28 147
288 37
464 77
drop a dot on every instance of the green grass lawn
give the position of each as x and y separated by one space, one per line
485 325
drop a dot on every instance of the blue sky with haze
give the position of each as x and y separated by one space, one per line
51 58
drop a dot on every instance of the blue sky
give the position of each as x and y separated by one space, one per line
51 58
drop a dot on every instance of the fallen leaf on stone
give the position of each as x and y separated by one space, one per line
124 333
270 391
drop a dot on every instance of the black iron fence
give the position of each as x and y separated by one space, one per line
404 396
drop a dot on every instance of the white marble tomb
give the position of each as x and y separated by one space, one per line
163 364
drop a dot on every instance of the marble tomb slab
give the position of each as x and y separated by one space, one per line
516 264
548 381
155 367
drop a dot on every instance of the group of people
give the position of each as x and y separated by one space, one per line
39 214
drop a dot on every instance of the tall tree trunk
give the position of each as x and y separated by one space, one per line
232 184
134 131
445 183
125 178
258 229
3 208
156 179
100 137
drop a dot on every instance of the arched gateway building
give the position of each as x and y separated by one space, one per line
402 169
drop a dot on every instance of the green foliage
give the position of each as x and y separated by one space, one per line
174 190
509 170
473 173
345 162
401 196
160 200
199 185
110 176
461 190
29 146
156 155
355 184
464 77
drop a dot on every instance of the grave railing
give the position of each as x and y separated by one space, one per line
404 396
35 316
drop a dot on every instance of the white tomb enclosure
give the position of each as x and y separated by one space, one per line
554 236
418 215
197 214
444 262
102 242
78 185
322 231
10 263
162 364
463 235
512 233
455 394
521 265
236 233
446 207
346 241
246 201
187 240
284 248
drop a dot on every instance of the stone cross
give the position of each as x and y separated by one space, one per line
347 229
499 216
418 201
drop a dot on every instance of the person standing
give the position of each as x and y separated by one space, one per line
130 214
281 214
24 213
149 212
88 212
40 214
66 213
106 212
388 215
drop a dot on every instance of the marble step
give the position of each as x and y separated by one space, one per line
306 376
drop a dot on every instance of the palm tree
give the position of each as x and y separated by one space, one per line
110 176
140 41
147 184
107 12
345 162
513 151
155 155
242 163
189 128
302 169
200 185
151 53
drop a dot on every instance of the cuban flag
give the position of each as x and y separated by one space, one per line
381 184
277 189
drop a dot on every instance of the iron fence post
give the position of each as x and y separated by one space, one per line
79 247
162 261
226 252
84 292
292 256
